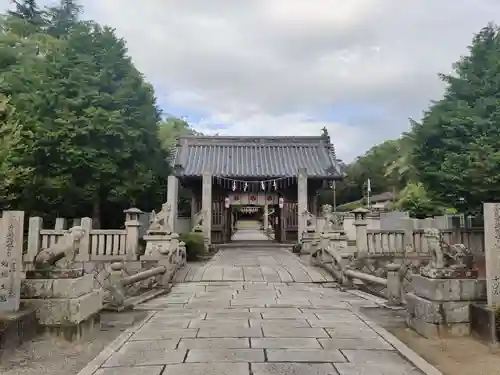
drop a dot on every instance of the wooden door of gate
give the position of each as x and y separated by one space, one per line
220 222
221 230
289 222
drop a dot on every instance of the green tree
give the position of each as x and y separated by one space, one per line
171 129
11 173
168 132
89 126
456 148
415 200
62 18
29 11
372 165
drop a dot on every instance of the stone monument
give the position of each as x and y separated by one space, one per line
11 257
59 291
17 324
444 290
492 252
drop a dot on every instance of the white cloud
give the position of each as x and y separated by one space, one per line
269 67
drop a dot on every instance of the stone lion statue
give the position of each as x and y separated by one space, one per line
446 260
310 221
62 254
333 221
459 256
160 221
198 221
433 238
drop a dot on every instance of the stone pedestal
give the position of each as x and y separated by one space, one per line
440 307
307 241
157 244
16 328
337 240
68 307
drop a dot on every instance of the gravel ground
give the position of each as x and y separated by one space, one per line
49 355
457 356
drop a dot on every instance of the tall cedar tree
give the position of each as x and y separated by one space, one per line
62 18
27 10
457 151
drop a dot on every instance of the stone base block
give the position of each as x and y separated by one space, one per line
16 328
484 323
449 289
437 312
74 332
432 330
57 288
65 311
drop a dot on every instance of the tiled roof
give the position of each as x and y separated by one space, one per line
256 156
387 196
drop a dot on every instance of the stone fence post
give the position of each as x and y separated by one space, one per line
84 248
132 225
361 224
35 226
394 284
61 223
408 225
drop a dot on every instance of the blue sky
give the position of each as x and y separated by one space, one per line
292 67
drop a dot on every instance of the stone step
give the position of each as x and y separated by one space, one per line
258 244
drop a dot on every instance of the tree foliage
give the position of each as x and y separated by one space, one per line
79 128
387 165
456 149
416 201
450 160
170 129
28 11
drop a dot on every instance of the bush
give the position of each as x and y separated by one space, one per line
195 246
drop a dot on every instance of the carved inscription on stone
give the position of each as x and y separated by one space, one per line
11 240
492 251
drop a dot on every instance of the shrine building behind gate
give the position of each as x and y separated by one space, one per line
281 175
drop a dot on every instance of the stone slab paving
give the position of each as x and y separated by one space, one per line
240 328
271 265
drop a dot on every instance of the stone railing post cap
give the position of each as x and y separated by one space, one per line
392 267
117 266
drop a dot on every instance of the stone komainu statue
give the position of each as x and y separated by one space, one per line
310 221
198 221
160 221
433 238
62 254
447 260
333 221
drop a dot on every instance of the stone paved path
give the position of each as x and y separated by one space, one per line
250 235
271 265
255 328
